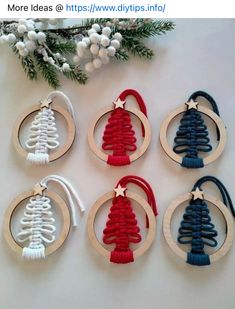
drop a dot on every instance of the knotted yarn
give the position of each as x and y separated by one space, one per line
43 136
119 135
122 227
196 227
192 136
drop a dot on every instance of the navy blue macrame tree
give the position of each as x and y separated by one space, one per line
192 136
196 228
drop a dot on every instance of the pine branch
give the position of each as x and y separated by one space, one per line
60 45
76 75
47 70
137 48
122 55
29 67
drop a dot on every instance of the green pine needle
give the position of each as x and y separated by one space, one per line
76 75
122 55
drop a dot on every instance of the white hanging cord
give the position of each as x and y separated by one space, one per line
52 95
70 192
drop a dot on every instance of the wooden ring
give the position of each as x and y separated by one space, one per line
70 127
99 203
216 119
222 251
139 152
14 245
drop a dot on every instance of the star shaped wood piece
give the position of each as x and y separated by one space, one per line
120 191
197 194
119 103
46 103
192 105
38 189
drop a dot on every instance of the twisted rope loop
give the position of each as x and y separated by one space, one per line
119 135
43 136
122 227
37 227
192 135
196 227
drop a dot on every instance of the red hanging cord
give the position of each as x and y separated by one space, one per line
119 135
122 226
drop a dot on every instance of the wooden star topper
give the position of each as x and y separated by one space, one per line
119 103
38 189
46 103
197 194
192 105
120 191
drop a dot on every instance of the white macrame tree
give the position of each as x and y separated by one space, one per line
37 227
43 136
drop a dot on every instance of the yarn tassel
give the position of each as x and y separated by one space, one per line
33 253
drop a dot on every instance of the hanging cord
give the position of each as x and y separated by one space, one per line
71 194
209 98
224 192
54 94
139 100
144 185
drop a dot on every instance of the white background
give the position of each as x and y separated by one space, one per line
199 54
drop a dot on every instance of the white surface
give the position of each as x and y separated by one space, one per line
199 54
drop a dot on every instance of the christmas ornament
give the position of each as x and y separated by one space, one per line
119 136
197 228
42 145
80 49
192 137
122 226
37 238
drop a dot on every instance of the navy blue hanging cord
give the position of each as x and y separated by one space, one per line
192 135
196 227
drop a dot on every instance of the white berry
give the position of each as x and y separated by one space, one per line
106 31
3 39
103 52
115 44
96 27
117 36
22 21
20 45
32 35
65 67
41 37
104 41
11 38
105 60
91 31
89 67
94 49
81 46
97 63
30 45
51 60
86 41
94 37
76 59
111 51
21 29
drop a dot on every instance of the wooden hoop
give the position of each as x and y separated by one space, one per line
99 203
139 152
14 245
222 251
70 127
216 119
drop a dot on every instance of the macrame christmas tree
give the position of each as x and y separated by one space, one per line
121 230
197 230
37 227
42 136
122 227
119 136
192 137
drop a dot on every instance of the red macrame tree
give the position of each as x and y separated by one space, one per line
119 136
122 227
